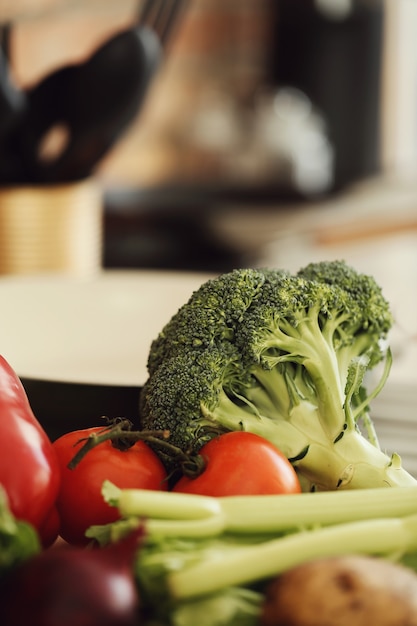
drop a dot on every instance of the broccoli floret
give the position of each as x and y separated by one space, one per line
209 317
283 356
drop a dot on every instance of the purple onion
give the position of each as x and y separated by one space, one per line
71 586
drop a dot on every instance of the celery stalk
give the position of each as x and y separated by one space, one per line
160 504
269 513
176 514
254 563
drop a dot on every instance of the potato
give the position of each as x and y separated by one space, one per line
342 591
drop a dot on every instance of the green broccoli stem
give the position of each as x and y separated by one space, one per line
229 415
352 462
349 462
254 563
314 349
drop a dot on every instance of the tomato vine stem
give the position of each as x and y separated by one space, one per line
119 432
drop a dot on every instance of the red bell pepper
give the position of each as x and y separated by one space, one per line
29 470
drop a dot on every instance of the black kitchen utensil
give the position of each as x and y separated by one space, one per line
12 100
13 106
70 119
161 16
87 107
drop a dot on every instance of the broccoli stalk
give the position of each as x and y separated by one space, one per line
283 356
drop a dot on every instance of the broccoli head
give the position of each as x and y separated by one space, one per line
284 356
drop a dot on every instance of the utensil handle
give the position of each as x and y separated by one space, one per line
161 16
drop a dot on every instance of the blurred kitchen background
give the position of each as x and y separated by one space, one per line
270 129
264 117
271 132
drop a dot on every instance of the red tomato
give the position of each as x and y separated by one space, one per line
80 503
49 531
29 470
241 463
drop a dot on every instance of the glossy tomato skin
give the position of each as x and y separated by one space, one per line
49 531
29 469
241 463
80 503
